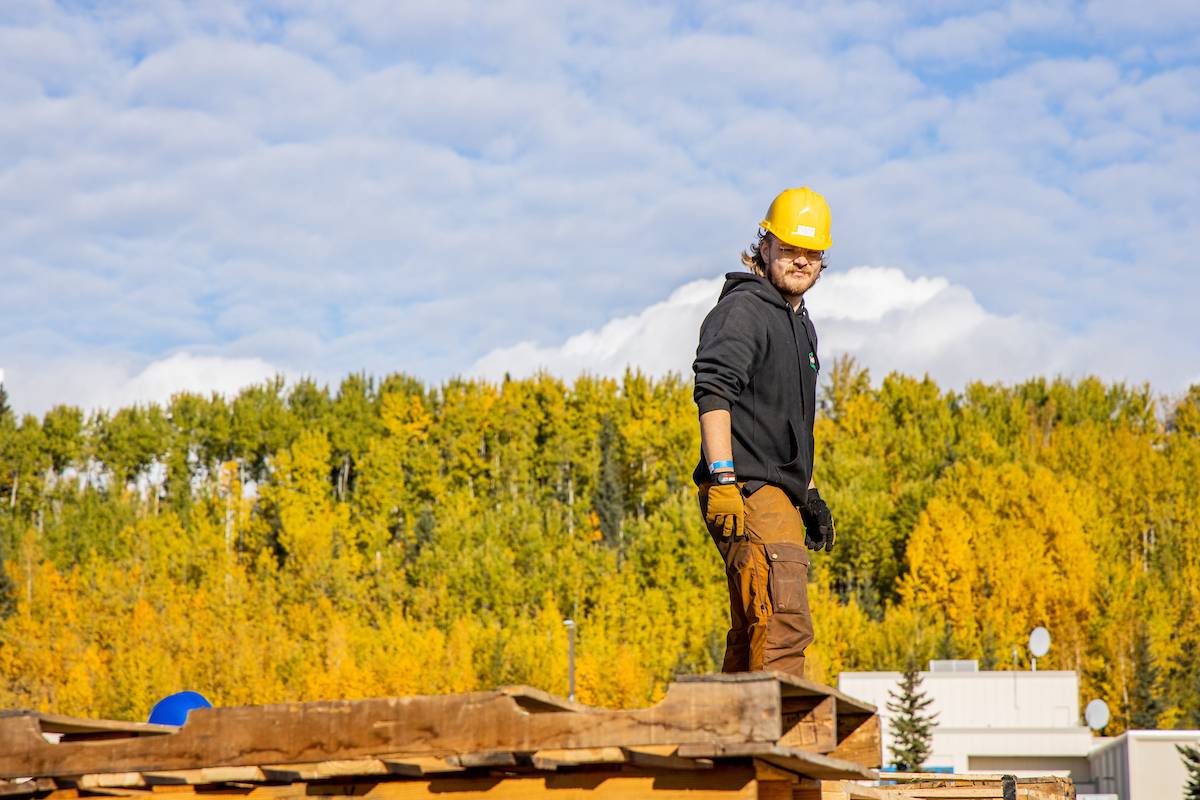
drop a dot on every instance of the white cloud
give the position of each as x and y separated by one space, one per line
331 187
660 339
184 372
94 385
887 320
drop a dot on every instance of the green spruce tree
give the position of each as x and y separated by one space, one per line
1145 707
912 724
1191 760
8 426
609 498
6 411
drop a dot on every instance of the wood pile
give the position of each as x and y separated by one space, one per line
937 786
751 735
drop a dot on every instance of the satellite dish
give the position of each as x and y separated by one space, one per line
1096 714
1039 641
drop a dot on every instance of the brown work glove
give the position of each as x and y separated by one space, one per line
726 511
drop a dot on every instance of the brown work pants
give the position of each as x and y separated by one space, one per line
767 571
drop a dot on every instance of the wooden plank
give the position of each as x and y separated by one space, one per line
325 769
859 740
539 701
729 782
769 772
420 726
800 762
551 759
854 791
64 794
967 786
790 685
946 776
202 776
649 758
719 784
954 792
419 766
290 772
26 787
810 723
809 789
59 723
496 759
775 790
81 728
110 780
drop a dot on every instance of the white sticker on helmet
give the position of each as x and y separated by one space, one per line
804 230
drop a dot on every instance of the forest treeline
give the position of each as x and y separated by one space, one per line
387 537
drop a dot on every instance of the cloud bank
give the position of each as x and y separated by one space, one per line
387 187
886 320
108 384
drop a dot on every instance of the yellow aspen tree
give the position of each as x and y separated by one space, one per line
1004 549
314 532
398 474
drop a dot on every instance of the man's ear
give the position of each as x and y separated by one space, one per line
764 247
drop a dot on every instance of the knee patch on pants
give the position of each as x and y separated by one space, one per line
749 579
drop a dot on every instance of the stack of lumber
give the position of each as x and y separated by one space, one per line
931 786
751 735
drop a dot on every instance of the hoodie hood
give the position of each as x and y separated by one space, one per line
758 286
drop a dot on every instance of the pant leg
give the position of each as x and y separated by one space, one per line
774 525
767 575
749 603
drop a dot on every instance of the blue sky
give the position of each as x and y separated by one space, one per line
196 195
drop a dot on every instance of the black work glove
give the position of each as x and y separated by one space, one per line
818 522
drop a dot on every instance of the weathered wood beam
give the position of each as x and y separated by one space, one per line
860 740
650 758
26 787
800 762
438 726
810 723
728 782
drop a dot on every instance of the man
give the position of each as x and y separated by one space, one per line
756 387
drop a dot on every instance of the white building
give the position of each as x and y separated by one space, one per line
1141 764
1029 723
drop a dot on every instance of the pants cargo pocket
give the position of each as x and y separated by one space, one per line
788 565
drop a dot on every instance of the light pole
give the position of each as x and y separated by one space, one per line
570 623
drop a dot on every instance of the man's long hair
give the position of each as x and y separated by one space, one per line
752 258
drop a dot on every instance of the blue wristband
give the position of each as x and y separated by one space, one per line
716 465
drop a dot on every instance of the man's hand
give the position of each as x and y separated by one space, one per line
726 511
818 522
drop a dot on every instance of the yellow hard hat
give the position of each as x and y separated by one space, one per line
799 217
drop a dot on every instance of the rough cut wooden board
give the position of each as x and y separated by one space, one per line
790 686
970 787
728 783
813 765
750 713
78 728
425 725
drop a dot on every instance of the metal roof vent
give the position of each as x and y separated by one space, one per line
954 665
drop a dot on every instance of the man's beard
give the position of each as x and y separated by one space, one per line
791 283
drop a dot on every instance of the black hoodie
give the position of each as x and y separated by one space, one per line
758 359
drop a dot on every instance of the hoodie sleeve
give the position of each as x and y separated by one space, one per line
732 342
